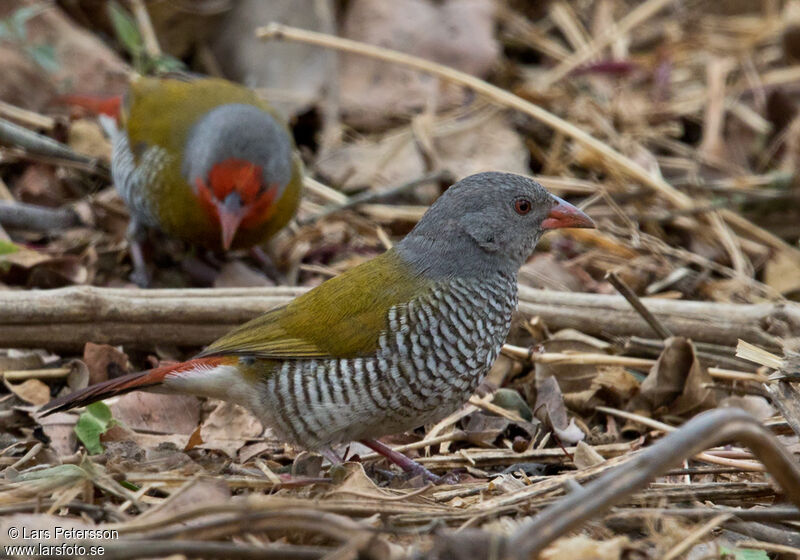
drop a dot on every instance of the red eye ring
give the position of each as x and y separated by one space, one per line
522 206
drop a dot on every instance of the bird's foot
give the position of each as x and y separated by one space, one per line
141 277
136 238
408 465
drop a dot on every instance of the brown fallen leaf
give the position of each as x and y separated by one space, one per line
60 428
550 410
104 362
155 413
586 456
228 428
782 272
582 547
571 377
195 439
755 405
350 478
31 391
207 491
86 137
148 442
18 359
615 385
458 33
677 382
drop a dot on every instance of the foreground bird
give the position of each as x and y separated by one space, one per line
394 343
206 161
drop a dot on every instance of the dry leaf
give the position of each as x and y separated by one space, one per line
759 407
571 377
104 362
677 382
782 272
458 33
550 410
586 456
206 491
194 440
152 412
615 385
60 428
86 137
228 428
31 391
582 547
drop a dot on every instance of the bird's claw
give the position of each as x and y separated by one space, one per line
141 277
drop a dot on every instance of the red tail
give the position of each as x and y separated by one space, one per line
121 385
95 104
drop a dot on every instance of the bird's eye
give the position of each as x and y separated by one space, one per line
522 206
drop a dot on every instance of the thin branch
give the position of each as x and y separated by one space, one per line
637 304
36 218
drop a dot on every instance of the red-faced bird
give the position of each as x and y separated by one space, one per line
204 160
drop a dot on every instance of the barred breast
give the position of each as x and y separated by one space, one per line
433 354
136 183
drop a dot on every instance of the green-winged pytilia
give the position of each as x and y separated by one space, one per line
204 160
394 343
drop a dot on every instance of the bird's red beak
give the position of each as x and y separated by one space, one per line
230 212
229 223
565 215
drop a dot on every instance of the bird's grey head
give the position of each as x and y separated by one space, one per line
238 159
486 223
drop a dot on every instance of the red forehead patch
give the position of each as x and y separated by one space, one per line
236 175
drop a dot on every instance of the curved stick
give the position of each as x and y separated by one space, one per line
701 432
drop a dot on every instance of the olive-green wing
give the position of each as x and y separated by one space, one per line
162 111
341 318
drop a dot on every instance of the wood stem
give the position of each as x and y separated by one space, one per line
69 317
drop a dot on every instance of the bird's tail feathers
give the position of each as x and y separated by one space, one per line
110 105
140 380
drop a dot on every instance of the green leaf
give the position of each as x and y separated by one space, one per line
167 63
5 31
7 247
92 424
125 28
511 400
45 57
19 20
743 553
129 485
66 472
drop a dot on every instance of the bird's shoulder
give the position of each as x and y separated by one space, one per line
342 318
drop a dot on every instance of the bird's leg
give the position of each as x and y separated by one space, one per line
408 465
266 265
136 237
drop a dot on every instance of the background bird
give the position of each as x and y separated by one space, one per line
206 161
394 343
